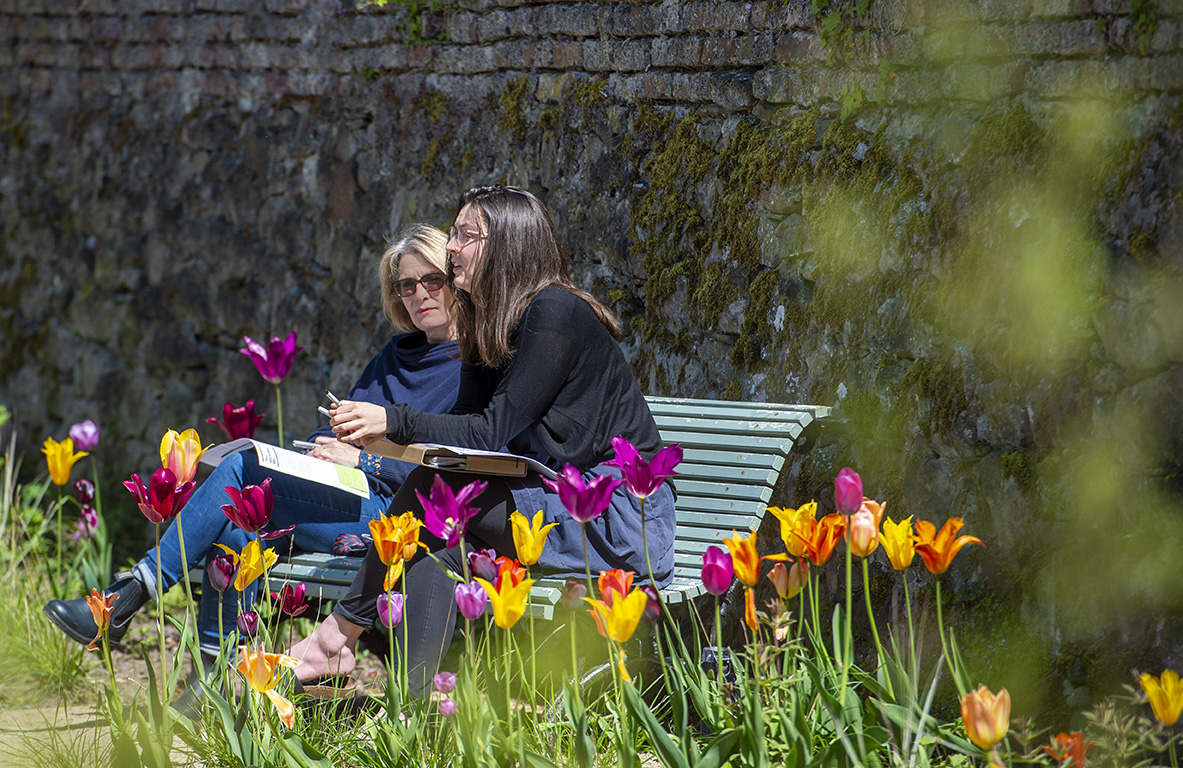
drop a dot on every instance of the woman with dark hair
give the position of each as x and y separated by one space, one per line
542 375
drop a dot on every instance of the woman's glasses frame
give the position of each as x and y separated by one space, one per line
432 282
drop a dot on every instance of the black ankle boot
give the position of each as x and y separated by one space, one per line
75 619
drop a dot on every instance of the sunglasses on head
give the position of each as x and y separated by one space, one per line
431 283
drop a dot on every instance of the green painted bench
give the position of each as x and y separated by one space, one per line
733 456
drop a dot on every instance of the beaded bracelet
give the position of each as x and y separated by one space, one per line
369 463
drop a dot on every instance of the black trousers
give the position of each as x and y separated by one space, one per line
429 611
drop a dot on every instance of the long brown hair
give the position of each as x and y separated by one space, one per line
521 258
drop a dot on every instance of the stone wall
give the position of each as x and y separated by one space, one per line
957 221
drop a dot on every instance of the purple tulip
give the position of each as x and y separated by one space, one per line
642 477
653 607
447 707
83 490
291 599
717 570
390 608
238 421
163 498
574 590
584 501
446 514
483 564
221 571
444 682
274 362
252 505
848 491
85 435
248 624
85 527
471 599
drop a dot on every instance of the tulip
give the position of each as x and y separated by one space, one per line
820 537
444 682
619 620
937 548
252 505
83 490
163 497
238 421
898 543
85 435
181 453
483 563
253 561
471 599
792 521
278 533
446 513
653 607
584 501
291 599
717 570
862 535
1165 694
574 590
749 609
529 537
86 526
274 362
261 670
390 608
614 583
396 539
1068 749
60 458
221 571
248 624
848 491
510 571
508 600
447 707
642 477
101 606
789 581
986 716
744 558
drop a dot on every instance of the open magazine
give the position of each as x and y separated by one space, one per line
457 459
349 479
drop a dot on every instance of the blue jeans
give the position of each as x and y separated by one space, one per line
320 515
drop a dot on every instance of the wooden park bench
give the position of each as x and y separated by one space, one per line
734 454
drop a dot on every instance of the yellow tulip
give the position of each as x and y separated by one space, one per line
508 601
898 542
792 521
529 537
1165 694
986 716
100 605
253 561
745 560
181 453
261 670
60 458
619 621
396 539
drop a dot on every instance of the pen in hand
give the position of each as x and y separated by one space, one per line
332 398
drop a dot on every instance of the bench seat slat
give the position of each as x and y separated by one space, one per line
747 428
733 491
772 462
742 443
748 475
695 405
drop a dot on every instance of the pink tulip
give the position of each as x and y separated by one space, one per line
390 608
642 477
584 501
85 435
252 505
238 421
444 682
445 513
447 707
862 535
471 599
163 498
848 491
789 581
717 570
275 361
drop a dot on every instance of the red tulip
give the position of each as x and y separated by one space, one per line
252 505
163 498
238 421
291 599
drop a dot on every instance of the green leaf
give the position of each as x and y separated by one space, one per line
663 744
301 754
720 750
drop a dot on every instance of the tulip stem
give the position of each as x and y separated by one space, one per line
848 641
586 561
911 632
279 413
871 617
1174 755
941 630
160 616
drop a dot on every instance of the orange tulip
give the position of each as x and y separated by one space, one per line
509 571
614 583
261 670
396 539
863 532
749 609
789 581
986 716
745 560
1165 694
821 536
181 453
898 543
939 547
791 521
100 608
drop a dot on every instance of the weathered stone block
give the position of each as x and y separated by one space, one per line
679 52
715 16
476 5
616 56
458 60
567 54
777 16
522 54
391 57
1129 334
462 27
225 6
286 7
493 26
799 48
1059 79
1054 9
731 91
634 20
745 51
171 7
580 20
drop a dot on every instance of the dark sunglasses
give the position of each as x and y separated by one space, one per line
431 283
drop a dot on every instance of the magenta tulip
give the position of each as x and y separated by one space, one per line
291 599
238 421
83 490
279 533
717 570
447 707
653 607
390 608
574 591
483 564
584 501
642 477
275 361
85 435
252 505
445 513
248 624
85 527
221 571
163 498
848 491
471 599
444 682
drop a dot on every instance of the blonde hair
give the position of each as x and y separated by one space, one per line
422 239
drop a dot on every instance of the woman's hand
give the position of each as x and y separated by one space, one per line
337 452
358 423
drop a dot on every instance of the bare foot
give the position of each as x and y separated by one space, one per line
328 650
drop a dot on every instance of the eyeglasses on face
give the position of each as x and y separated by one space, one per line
464 237
431 283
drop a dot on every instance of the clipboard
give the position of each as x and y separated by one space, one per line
456 459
